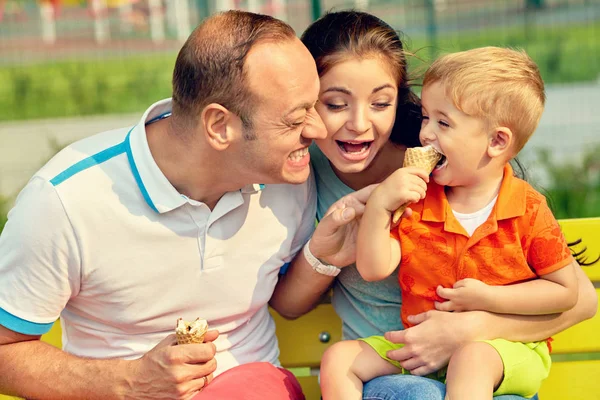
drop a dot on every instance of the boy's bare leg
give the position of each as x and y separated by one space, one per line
346 365
474 372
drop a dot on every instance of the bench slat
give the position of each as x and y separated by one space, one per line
572 380
582 338
299 339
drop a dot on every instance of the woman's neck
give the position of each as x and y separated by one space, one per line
389 159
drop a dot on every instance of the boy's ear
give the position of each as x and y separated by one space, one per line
219 125
500 142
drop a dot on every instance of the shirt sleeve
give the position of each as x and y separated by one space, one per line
548 251
307 223
39 260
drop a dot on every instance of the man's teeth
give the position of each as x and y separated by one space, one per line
298 154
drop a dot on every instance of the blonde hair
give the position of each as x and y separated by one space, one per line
502 86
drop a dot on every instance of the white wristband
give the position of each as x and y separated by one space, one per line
317 265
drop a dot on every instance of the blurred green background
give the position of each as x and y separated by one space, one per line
64 60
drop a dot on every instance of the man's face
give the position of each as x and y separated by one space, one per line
283 77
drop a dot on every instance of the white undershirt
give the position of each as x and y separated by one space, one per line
472 221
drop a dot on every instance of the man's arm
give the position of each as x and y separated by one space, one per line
30 368
437 334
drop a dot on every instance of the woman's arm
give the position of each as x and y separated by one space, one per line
437 334
533 328
301 288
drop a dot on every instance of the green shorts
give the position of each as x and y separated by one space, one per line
526 365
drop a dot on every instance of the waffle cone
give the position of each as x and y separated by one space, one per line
423 157
191 332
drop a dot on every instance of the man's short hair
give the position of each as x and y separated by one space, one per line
210 65
500 85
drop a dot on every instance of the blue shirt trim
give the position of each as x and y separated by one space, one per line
158 118
105 155
136 174
86 163
17 324
284 268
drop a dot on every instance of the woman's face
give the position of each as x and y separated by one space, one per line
357 103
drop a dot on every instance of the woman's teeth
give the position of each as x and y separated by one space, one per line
353 148
298 154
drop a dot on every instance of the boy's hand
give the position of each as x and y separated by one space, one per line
466 295
405 185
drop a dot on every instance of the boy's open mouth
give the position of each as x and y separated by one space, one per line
441 163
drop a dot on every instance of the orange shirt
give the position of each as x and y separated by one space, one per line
520 241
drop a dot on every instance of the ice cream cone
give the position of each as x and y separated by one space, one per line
191 332
423 157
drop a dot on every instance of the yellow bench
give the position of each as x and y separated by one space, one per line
576 352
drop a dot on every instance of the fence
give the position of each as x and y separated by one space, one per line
71 58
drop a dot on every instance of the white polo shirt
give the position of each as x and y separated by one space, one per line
101 238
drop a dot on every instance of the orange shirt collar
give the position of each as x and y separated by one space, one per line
511 199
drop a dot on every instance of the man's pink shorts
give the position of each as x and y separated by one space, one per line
254 381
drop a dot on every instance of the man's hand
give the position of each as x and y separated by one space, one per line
334 240
435 336
466 295
171 371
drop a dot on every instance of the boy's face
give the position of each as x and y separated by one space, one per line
461 138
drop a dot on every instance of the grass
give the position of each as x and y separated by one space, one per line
4 208
73 88
575 189
564 53
76 88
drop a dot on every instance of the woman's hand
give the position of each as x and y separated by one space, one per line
435 335
334 240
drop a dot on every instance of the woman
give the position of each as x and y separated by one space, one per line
371 117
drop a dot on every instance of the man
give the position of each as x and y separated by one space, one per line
124 232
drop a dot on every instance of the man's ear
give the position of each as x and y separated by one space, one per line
219 125
500 142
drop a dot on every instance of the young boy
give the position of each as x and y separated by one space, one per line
482 239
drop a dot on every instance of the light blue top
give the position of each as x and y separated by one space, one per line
366 308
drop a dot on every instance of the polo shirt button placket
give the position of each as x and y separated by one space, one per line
200 214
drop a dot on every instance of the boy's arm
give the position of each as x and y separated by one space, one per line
548 254
552 293
436 335
377 253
